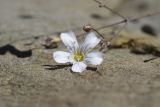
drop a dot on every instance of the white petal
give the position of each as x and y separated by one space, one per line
69 40
90 42
94 58
61 57
79 67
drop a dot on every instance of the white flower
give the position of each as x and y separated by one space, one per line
79 55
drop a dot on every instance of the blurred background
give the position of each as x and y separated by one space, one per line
41 17
125 81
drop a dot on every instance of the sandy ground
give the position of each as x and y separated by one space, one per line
31 78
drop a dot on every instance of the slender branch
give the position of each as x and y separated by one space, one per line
105 44
108 8
131 20
98 33
144 16
111 25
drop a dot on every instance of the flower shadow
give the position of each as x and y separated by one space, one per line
55 67
58 66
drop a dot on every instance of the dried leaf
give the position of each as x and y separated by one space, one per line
139 44
50 42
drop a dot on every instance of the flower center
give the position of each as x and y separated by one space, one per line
78 57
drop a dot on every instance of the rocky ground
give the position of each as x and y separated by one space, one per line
29 77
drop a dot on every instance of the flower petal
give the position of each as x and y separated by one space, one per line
79 67
94 58
69 40
61 57
90 42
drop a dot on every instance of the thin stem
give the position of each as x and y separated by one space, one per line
108 8
98 33
126 20
144 16
118 14
111 25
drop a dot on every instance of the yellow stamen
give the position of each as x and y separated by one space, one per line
78 57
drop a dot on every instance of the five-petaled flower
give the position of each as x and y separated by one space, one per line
79 55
